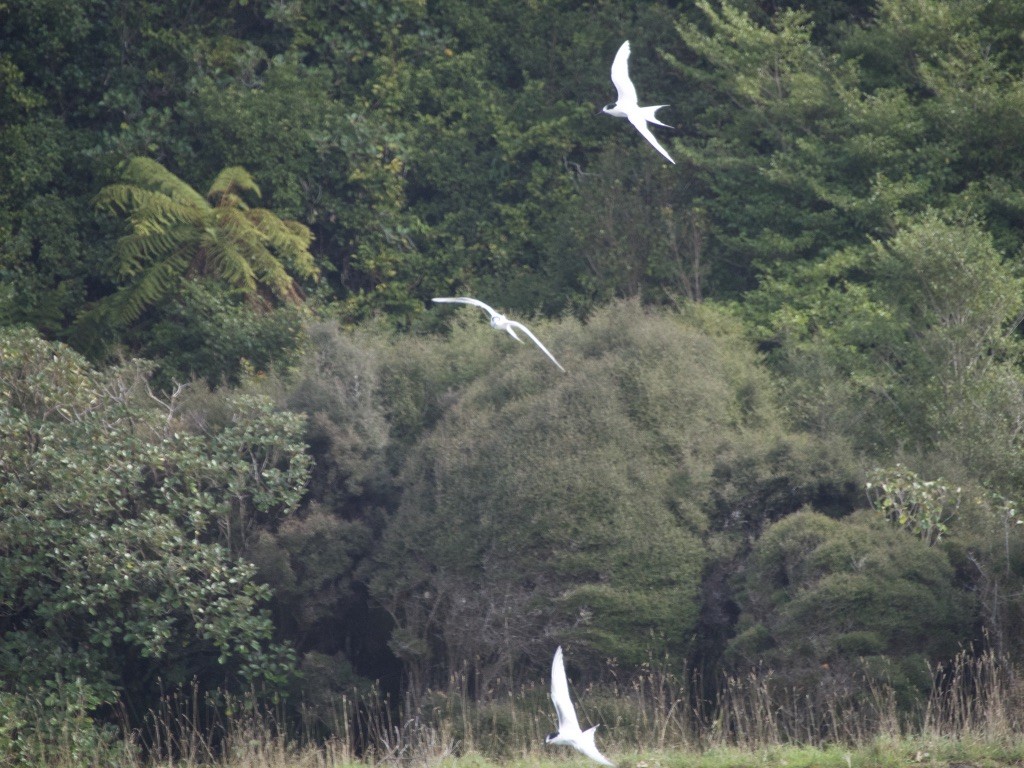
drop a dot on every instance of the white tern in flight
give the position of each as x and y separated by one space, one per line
569 733
627 105
502 323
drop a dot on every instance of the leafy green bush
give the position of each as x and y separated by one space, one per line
120 527
846 604
212 334
543 507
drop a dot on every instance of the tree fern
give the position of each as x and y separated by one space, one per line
234 181
147 174
177 234
137 251
154 284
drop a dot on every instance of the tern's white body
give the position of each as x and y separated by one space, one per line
569 733
627 105
502 323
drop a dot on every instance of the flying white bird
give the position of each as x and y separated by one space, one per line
502 323
627 105
569 733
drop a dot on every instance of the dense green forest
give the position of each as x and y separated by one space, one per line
241 449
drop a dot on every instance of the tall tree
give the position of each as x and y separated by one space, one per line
907 345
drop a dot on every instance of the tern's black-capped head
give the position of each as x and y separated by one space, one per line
550 737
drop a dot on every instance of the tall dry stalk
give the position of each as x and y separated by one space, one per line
978 697
975 697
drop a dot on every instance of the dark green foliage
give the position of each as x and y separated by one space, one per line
46 290
534 508
311 560
849 181
763 185
986 543
847 604
630 231
541 505
210 334
909 344
337 384
806 144
119 524
309 563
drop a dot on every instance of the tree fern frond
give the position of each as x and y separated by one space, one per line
125 306
148 174
269 270
301 263
137 251
124 198
272 274
300 231
226 260
235 181
237 225
146 208
291 239
114 198
230 201
284 233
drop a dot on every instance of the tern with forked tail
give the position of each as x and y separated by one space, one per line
627 105
569 733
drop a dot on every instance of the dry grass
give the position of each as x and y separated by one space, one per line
974 716
976 698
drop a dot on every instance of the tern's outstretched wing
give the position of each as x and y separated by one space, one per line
620 76
640 124
543 349
467 300
560 696
589 748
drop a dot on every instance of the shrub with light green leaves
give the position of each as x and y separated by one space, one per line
118 528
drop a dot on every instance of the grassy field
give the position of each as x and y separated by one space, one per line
881 753
975 719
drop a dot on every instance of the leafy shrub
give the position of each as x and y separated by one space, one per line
120 527
845 604
543 507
